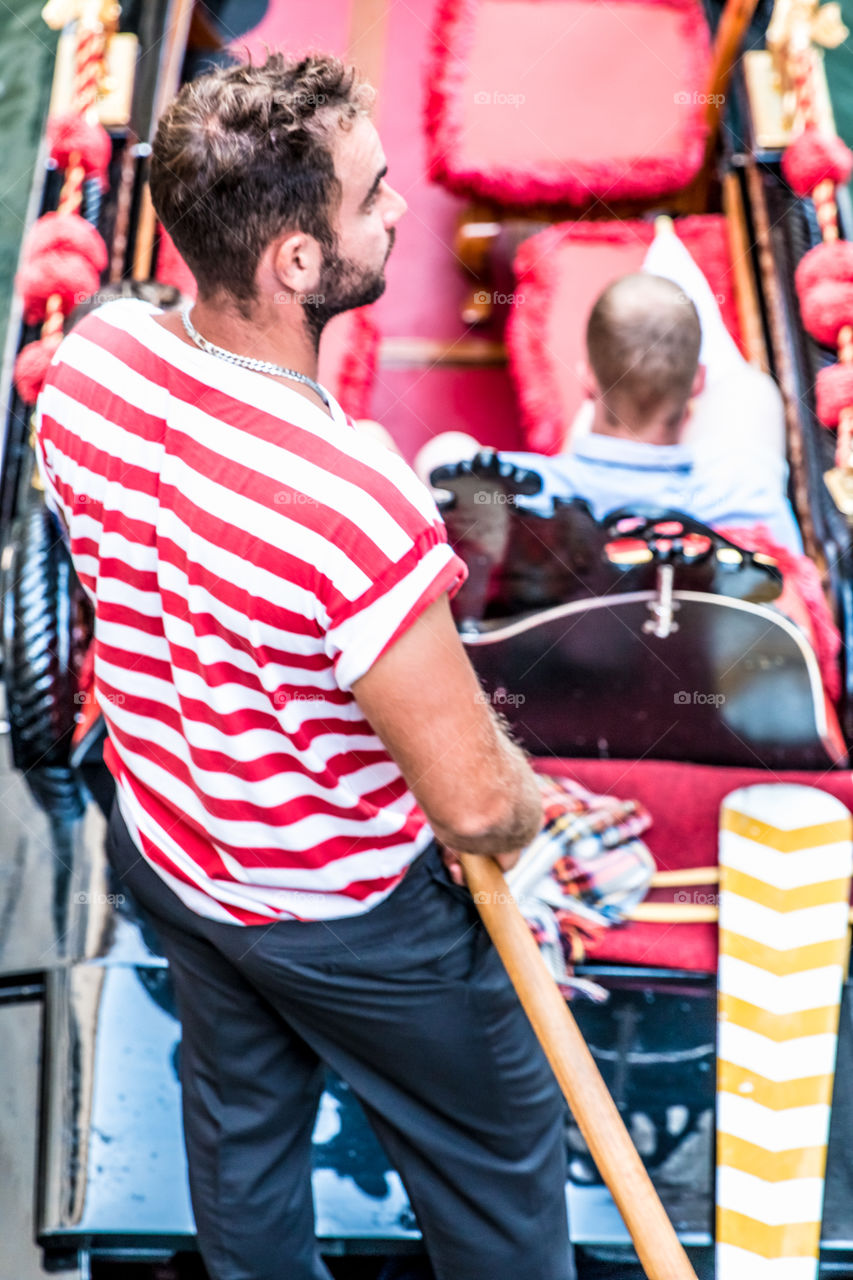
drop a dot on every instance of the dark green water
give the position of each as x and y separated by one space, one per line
27 53
839 71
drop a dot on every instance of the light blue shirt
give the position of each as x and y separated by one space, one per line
610 472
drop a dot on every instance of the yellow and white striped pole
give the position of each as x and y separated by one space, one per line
785 865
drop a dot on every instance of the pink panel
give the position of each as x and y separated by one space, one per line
171 268
425 284
416 404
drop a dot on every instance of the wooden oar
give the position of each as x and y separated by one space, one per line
614 1153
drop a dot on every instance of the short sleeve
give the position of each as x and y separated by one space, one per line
403 567
359 634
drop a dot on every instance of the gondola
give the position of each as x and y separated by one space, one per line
644 655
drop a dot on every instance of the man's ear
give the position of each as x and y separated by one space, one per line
586 378
296 260
698 381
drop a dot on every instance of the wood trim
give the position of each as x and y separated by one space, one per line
673 913
734 20
419 353
685 876
782 357
731 29
203 34
178 22
746 294
146 231
679 913
124 200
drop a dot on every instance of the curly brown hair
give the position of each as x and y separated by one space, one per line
245 153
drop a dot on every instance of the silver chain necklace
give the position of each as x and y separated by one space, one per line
247 362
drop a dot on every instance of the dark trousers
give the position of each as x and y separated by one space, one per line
411 1006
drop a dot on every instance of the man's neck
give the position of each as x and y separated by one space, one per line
655 432
281 339
276 332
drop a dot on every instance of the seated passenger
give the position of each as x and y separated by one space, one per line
643 379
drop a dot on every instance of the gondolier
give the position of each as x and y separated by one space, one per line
292 718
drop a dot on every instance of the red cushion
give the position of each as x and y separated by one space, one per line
565 101
560 274
684 801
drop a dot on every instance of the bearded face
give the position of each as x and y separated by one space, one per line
343 285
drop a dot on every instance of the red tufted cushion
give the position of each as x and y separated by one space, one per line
535 101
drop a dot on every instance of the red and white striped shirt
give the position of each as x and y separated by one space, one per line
248 559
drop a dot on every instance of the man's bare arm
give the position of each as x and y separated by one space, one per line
423 699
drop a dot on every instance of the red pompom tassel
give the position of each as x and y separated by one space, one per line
834 392
69 133
67 233
831 261
32 365
812 158
72 277
826 308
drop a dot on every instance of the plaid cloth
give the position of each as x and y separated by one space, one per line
581 874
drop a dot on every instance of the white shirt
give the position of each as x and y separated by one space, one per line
610 472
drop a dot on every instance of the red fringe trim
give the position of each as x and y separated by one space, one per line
536 267
358 367
574 182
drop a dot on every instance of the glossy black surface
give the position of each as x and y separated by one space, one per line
731 686
567 623
113 1165
520 561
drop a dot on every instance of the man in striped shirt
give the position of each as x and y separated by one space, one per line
293 722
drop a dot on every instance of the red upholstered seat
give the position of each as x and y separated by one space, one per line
567 101
684 801
560 274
